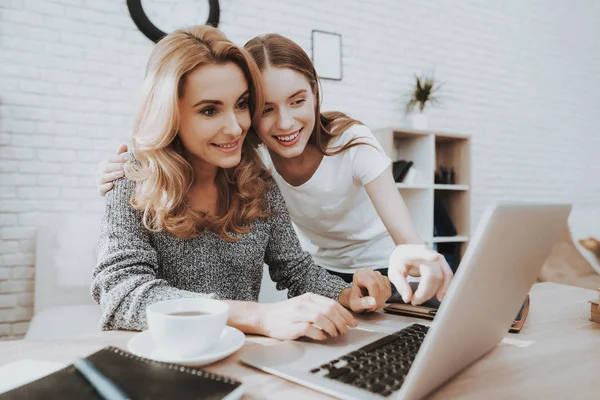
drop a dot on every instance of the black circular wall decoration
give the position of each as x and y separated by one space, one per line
155 34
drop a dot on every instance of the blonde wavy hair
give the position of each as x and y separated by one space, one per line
278 51
163 176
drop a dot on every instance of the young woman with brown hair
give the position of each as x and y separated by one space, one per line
336 179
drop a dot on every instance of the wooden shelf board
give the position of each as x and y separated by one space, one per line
447 136
413 185
450 239
400 133
450 187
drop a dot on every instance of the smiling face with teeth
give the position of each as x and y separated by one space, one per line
214 116
288 118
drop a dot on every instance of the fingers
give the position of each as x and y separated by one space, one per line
355 295
324 316
332 309
309 330
103 189
328 323
111 170
122 149
368 279
397 275
362 304
307 315
348 318
119 158
435 280
358 302
376 285
110 176
111 167
105 181
431 280
413 256
355 291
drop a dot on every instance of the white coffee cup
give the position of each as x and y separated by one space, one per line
187 325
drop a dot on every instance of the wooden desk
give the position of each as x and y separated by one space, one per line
556 356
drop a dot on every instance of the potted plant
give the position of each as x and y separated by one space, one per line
422 94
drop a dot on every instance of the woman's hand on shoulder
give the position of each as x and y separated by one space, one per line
309 315
110 170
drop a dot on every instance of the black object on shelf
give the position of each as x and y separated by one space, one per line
445 176
442 224
400 169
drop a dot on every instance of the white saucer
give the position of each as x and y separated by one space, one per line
231 340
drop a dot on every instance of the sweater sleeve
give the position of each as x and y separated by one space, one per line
289 266
124 282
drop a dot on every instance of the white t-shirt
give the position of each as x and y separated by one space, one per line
332 212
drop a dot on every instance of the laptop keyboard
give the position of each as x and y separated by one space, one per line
379 367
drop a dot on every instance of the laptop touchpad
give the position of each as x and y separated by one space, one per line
357 337
293 351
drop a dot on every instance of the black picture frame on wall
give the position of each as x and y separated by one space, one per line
327 54
141 20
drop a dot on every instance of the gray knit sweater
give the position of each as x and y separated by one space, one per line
137 268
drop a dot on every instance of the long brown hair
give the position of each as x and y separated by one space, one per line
278 51
163 176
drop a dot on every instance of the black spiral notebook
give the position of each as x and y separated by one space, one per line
139 378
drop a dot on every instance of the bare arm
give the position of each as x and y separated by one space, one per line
391 209
407 259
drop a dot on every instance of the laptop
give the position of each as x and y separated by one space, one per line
409 360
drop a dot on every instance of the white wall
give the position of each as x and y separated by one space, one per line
520 76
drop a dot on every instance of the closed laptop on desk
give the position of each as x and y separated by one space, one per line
498 269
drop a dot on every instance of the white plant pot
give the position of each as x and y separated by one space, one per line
418 121
413 176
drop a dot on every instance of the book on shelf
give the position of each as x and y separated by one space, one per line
400 169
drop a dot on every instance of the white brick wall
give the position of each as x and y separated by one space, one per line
521 77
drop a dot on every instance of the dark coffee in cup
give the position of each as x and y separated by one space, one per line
188 313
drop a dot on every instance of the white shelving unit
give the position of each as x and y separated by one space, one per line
429 151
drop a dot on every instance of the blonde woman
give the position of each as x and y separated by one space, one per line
197 215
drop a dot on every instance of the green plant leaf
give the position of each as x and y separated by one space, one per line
422 93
